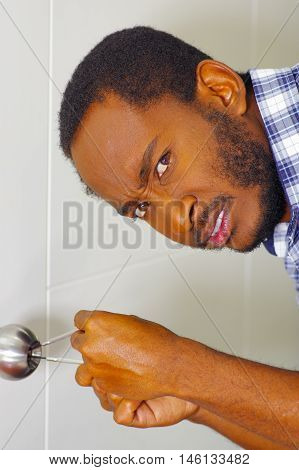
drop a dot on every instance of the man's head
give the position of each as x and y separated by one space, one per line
165 133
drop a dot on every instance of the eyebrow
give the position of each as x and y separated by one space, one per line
147 162
144 173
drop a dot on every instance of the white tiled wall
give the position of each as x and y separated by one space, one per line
249 299
23 174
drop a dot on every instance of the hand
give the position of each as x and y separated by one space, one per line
163 411
128 356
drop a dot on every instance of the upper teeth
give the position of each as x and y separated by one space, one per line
218 223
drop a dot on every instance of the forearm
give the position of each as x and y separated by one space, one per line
234 432
262 399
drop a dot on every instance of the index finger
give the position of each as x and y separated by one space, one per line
81 319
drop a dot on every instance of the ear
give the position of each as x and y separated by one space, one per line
220 85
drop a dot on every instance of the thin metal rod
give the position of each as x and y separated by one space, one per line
59 359
58 338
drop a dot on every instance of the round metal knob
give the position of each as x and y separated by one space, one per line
16 346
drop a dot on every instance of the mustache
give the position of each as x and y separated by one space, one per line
203 219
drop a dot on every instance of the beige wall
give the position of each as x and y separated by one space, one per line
249 298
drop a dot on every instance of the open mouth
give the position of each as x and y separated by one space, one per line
220 233
215 232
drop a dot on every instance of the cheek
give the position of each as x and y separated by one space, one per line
202 173
246 215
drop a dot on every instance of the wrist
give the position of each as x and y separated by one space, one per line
189 372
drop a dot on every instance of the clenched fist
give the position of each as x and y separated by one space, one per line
163 411
128 356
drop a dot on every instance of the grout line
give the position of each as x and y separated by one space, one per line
146 261
247 318
107 272
254 32
247 267
48 255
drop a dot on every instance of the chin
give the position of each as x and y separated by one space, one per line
245 247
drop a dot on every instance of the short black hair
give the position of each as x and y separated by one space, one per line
140 64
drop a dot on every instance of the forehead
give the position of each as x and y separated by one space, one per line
108 146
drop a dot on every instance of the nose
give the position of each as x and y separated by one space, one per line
173 217
181 214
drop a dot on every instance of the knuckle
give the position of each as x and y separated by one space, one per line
73 340
95 319
78 379
82 317
85 351
105 405
119 419
82 376
80 312
91 323
136 319
97 387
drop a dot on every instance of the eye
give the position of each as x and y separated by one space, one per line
141 209
163 164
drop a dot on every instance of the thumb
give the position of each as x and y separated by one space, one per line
124 412
83 376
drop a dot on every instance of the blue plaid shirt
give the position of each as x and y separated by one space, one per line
277 95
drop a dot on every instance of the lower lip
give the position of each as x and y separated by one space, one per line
220 238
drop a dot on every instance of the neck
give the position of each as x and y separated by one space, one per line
287 215
253 110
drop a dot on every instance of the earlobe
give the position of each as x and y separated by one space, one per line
220 85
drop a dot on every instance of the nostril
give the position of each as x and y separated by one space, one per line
191 213
184 213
